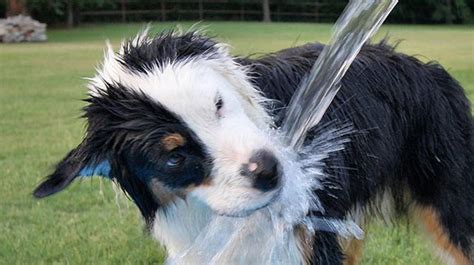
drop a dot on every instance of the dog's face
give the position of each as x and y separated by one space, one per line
171 117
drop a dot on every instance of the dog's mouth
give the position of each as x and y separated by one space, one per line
246 212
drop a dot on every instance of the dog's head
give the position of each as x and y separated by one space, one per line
175 116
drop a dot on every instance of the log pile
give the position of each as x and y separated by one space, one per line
22 28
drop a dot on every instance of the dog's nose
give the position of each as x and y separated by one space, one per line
264 168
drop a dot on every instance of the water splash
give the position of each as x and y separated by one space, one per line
267 236
345 229
359 21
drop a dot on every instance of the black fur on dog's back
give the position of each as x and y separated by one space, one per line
414 138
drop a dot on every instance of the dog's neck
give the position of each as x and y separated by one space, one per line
177 225
191 234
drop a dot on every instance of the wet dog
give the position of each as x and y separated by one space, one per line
183 127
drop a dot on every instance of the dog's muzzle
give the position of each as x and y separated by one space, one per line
264 169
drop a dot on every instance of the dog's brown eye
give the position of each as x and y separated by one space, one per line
219 104
175 160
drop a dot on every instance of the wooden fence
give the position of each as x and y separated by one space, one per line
209 10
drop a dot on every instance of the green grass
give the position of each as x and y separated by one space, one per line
40 92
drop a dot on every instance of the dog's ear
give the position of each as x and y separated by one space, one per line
77 163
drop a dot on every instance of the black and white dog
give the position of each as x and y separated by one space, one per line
183 127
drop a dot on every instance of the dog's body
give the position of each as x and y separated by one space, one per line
411 149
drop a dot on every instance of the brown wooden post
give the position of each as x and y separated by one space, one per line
266 11
77 15
449 13
316 10
70 14
163 10
278 13
124 11
201 12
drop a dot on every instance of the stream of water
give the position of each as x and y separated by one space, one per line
359 21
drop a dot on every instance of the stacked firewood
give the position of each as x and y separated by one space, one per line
21 28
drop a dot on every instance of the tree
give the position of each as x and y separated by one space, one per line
450 11
15 8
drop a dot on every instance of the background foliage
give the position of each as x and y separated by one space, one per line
413 11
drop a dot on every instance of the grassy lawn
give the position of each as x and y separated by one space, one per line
40 90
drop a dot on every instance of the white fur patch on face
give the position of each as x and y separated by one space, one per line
189 89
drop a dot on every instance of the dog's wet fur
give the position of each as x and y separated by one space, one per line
411 152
